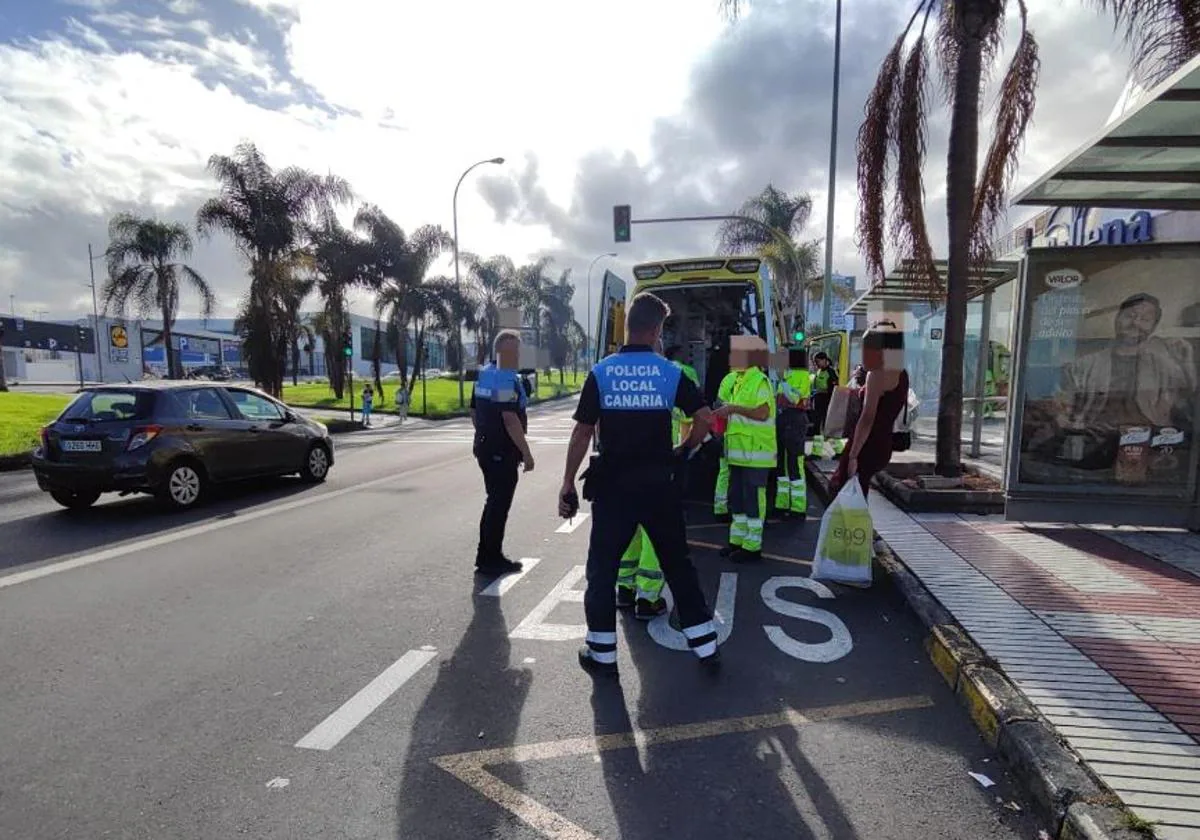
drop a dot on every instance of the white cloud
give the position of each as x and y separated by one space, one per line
654 99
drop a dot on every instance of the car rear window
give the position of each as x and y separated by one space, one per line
109 405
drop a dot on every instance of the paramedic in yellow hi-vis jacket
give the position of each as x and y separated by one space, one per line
793 394
750 447
640 578
724 395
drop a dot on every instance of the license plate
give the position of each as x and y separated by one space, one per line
81 446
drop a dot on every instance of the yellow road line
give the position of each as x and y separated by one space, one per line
470 767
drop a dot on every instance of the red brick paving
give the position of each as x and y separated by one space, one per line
1165 675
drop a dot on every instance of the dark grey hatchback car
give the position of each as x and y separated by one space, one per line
173 439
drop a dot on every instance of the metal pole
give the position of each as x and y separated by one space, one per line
95 315
588 328
827 297
462 400
981 365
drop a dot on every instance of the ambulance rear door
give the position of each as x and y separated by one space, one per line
610 322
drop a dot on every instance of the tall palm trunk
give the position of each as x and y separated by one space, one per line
295 360
166 339
961 166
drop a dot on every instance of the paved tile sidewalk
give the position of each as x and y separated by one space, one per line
1102 637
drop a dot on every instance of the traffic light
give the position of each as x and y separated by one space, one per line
81 336
798 330
622 222
348 344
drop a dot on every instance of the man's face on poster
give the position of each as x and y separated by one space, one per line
1137 322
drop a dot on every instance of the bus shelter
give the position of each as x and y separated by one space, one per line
1105 386
986 358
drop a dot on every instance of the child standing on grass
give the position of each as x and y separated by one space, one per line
368 401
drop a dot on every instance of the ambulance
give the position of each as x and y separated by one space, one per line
711 299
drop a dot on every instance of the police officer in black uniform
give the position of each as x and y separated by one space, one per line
629 395
498 406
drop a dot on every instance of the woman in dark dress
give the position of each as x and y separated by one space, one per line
869 447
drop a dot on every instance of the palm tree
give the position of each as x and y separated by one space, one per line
787 214
145 268
266 213
528 292
294 290
494 282
338 258
557 317
578 338
969 33
395 266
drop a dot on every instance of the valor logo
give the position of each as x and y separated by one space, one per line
1064 278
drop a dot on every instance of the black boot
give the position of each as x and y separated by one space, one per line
596 669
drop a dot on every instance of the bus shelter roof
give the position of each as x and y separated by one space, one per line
902 286
1148 160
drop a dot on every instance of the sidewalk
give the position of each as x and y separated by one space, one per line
1098 627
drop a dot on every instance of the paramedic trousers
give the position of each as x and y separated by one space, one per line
748 504
500 483
640 570
721 496
791 488
617 511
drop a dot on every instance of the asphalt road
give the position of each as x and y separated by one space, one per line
320 662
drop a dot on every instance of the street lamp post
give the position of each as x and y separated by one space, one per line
827 296
95 314
462 401
588 329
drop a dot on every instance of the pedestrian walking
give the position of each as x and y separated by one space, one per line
368 403
498 406
627 399
402 403
885 396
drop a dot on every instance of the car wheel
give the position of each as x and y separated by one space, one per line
183 486
73 500
316 464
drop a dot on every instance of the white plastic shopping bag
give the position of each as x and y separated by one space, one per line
845 544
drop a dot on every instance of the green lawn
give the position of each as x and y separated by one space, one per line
22 417
441 394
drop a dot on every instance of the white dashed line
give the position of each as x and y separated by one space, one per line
506 582
571 524
354 711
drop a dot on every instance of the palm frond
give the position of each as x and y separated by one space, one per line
1014 113
873 145
731 9
1163 34
208 300
910 233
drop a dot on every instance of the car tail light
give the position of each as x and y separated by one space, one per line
46 438
141 436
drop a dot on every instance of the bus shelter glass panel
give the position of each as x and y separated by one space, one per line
1109 381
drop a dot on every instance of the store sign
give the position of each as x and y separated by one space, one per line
1067 278
1138 229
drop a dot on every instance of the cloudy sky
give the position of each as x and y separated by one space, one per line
109 105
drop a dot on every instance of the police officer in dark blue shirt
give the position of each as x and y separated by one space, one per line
498 406
629 396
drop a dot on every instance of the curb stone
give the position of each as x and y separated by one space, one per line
12 463
1074 803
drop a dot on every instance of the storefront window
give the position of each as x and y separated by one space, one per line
1110 379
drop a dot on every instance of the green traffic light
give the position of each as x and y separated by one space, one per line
799 336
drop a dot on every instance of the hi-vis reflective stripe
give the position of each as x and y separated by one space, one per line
702 638
603 646
748 455
739 420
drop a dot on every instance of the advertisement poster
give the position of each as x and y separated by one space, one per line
1110 392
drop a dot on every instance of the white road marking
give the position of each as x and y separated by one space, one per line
354 711
660 628
207 527
571 524
840 642
278 783
506 582
533 626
